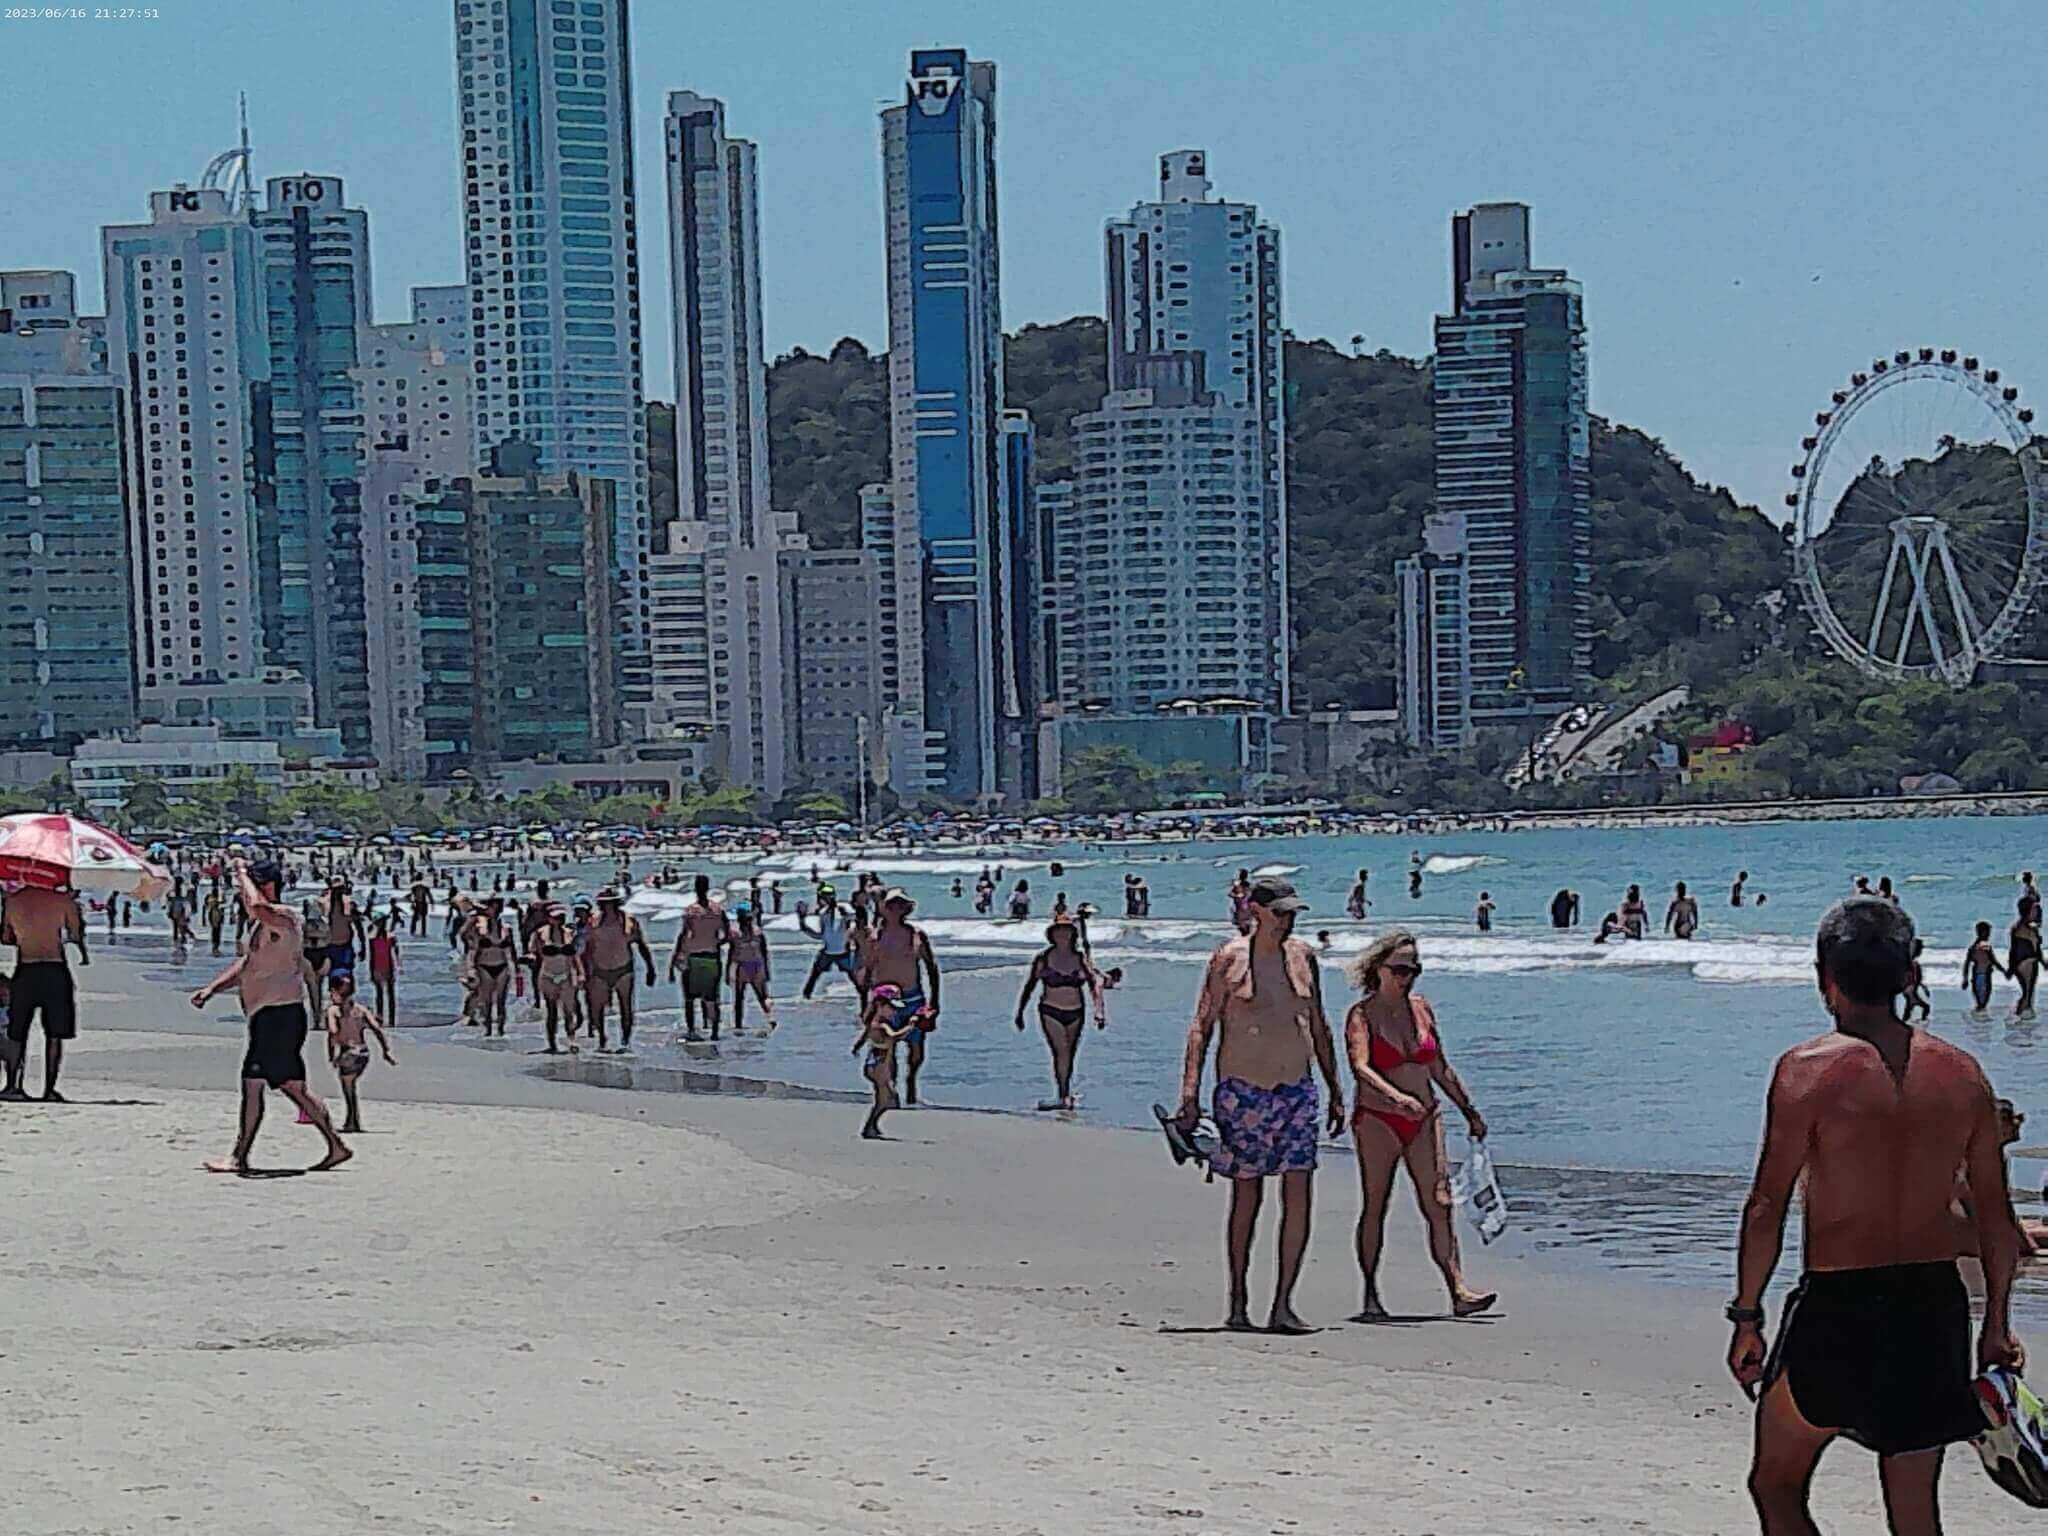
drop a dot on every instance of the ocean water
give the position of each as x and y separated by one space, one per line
1623 1082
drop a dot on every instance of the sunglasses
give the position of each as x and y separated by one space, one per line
1410 972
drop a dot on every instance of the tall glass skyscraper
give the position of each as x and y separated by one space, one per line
546 99
945 410
315 256
730 682
1495 611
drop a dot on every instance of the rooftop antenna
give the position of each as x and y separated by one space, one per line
229 170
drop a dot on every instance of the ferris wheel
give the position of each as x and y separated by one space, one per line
1920 518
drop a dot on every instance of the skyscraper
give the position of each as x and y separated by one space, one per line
188 342
545 95
1025 665
315 256
721 381
945 406
1513 492
67 659
1176 577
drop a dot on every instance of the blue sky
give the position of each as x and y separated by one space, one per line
1758 198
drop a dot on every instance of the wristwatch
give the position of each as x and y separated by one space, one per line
1737 1313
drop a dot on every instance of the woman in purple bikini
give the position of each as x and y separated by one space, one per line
1071 983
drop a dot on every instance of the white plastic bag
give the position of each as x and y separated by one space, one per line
1477 1186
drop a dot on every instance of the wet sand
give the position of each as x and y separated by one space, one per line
544 1306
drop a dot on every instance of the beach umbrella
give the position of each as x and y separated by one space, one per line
59 852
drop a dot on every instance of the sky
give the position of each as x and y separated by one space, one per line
1757 198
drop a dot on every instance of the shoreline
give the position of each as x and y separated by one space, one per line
546 1306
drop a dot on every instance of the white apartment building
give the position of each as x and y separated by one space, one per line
722 480
187 336
413 378
182 757
1173 554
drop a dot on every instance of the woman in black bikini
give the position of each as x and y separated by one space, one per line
490 941
558 978
1066 974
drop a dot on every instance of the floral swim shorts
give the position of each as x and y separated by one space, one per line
1264 1131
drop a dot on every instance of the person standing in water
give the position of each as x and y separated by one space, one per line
835 942
421 900
1482 915
215 912
1980 964
1635 916
1415 875
1682 917
697 959
1020 906
1564 909
384 972
558 979
748 952
39 924
1241 901
1869 1123
1262 1002
1072 984
1356 905
2023 956
608 949
269 979
1397 1058
900 955
1735 891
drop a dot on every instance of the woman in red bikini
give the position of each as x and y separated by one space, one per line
1398 1058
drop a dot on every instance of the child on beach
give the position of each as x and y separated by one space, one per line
347 1051
881 1038
1980 964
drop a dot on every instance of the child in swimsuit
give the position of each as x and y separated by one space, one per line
880 1036
1980 964
348 1052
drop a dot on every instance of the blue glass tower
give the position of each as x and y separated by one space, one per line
945 378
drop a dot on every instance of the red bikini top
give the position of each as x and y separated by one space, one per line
1385 1055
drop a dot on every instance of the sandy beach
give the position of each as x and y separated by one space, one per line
540 1306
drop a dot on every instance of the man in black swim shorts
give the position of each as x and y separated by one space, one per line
1874 1342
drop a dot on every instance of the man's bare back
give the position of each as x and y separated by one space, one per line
39 922
703 928
1883 1141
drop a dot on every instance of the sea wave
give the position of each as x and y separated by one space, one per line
1458 863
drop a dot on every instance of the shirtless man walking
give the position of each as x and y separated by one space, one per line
273 997
38 924
1873 1118
608 966
900 955
1264 994
704 933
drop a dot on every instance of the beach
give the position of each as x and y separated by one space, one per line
542 1306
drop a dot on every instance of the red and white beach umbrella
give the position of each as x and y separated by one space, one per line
55 852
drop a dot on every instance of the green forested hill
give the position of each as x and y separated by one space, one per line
1671 558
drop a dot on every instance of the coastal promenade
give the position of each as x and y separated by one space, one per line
538 1306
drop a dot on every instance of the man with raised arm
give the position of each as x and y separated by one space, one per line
1874 1341
270 979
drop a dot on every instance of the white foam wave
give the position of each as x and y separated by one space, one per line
1265 871
800 865
1458 863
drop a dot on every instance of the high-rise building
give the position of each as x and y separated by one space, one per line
315 255
546 100
67 660
412 380
879 534
1513 496
1175 576
515 578
188 342
1024 664
721 383
945 406
442 310
833 649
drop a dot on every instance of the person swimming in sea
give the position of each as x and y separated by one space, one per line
1610 928
1980 964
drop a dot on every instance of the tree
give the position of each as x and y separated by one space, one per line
146 803
1102 780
